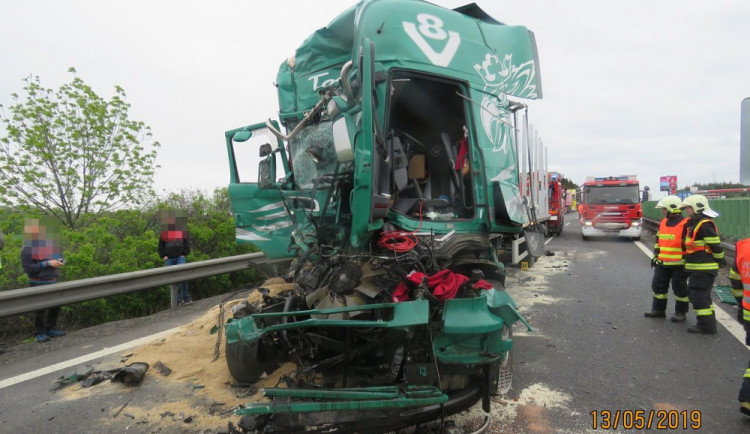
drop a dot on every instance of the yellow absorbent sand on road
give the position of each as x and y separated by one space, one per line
195 378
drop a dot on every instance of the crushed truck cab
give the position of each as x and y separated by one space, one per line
390 188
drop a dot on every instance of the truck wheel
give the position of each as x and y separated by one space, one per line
247 361
506 366
584 237
638 238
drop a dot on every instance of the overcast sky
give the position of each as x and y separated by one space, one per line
642 87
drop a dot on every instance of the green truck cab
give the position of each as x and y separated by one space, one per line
390 194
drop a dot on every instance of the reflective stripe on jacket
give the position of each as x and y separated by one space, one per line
742 262
703 246
670 242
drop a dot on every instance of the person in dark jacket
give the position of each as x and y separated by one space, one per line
174 245
2 244
703 258
668 262
41 257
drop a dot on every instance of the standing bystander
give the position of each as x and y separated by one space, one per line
174 245
2 244
41 257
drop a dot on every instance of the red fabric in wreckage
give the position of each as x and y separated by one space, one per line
444 285
463 151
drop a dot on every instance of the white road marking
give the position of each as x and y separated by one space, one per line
644 249
78 360
730 323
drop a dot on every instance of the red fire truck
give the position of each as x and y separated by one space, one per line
556 204
610 206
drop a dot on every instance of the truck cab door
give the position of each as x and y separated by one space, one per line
260 216
369 207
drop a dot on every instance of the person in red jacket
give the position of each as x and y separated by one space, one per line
741 269
174 245
668 261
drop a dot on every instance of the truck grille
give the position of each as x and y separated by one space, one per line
611 221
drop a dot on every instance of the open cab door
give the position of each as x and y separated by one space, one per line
254 191
369 205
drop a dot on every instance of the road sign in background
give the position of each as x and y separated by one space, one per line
668 184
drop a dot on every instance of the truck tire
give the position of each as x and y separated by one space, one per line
584 237
247 361
506 366
638 238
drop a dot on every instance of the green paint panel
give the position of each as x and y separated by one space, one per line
341 400
733 222
405 314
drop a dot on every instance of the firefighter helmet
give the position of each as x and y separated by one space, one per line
671 203
698 202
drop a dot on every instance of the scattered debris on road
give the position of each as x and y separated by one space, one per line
130 375
162 368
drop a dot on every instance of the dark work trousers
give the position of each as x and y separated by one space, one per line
663 275
745 387
699 291
45 319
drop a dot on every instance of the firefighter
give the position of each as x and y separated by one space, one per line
703 258
737 289
668 261
741 268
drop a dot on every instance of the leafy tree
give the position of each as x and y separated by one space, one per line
568 184
70 152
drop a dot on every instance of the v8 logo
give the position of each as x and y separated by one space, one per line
431 27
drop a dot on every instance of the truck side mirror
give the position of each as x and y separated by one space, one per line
267 166
242 135
266 172
265 150
341 141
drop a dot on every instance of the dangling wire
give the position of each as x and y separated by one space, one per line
401 241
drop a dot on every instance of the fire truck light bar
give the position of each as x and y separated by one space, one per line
612 178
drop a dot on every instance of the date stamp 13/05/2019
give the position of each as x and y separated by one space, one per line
646 419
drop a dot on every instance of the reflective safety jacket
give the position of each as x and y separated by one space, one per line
669 247
740 277
702 245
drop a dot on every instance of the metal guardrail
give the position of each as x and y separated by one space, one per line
732 220
729 248
24 300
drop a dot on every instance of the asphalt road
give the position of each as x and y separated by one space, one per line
591 351
593 346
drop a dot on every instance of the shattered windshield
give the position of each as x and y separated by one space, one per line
314 140
616 194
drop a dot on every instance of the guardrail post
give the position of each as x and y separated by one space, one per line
173 296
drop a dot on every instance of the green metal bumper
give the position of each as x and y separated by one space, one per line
365 398
405 314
